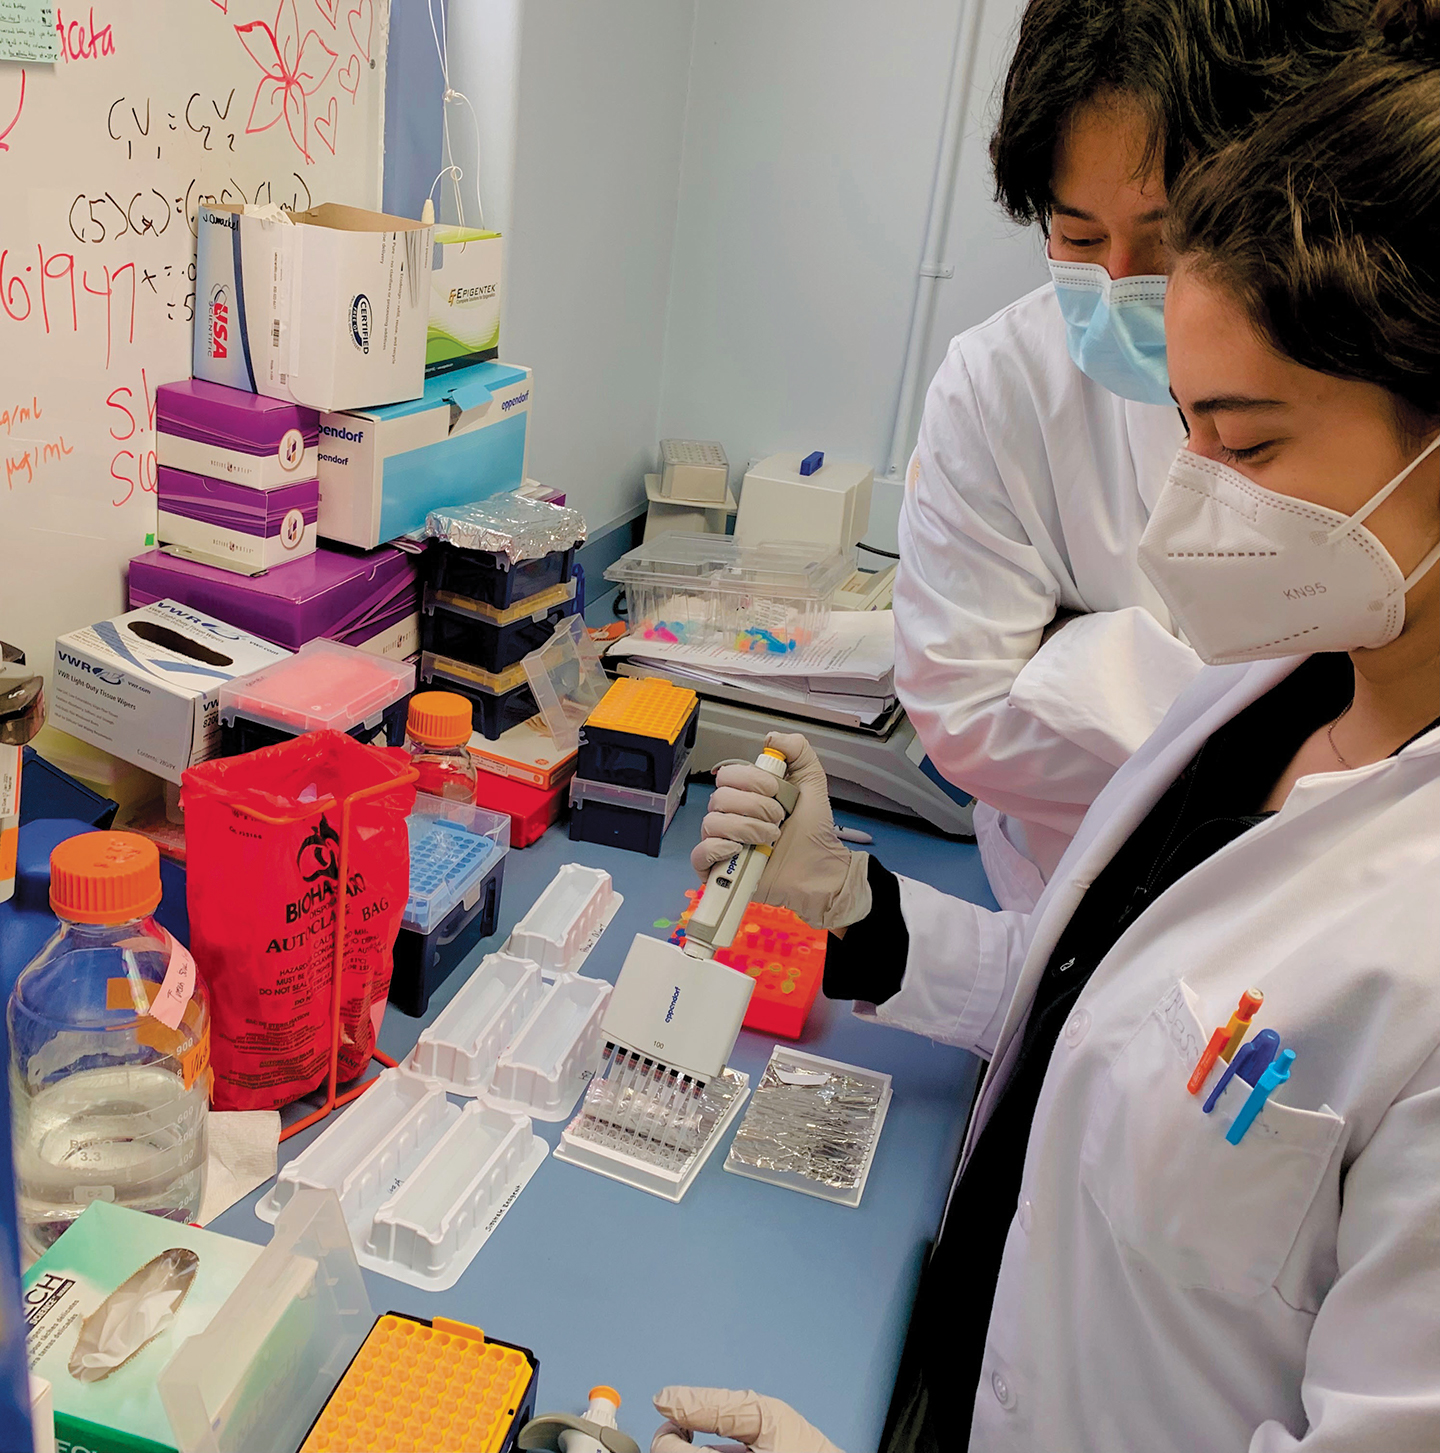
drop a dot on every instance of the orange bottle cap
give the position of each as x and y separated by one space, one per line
104 877
608 1393
440 719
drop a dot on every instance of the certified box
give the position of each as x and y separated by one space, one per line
464 299
327 308
229 433
146 685
235 526
382 470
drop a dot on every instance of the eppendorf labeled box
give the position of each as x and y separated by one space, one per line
146 685
382 470
327 308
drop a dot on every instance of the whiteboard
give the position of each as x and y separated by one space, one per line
153 107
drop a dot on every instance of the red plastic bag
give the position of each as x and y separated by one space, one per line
268 837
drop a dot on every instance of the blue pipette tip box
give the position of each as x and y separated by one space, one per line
457 868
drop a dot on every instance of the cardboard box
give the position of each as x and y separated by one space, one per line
371 601
464 299
235 526
146 686
231 434
382 470
103 1248
326 308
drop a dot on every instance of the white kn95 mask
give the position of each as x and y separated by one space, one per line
1250 575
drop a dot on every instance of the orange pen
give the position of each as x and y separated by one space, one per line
1226 1040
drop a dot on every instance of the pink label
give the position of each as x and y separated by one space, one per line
169 1004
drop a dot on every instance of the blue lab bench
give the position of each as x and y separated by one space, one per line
742 1284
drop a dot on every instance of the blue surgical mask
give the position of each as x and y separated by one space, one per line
1115 329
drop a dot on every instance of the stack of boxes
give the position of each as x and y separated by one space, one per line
633 763
483 614
238 476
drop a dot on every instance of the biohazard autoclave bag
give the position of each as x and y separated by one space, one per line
269 838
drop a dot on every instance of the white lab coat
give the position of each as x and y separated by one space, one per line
1027 495
1160 1289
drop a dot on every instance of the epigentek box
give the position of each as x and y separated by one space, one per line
464 299
382 470
327 308
145 686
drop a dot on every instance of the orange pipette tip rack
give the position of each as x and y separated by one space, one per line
644 706
415 1387
785 957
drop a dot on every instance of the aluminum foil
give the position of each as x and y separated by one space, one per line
810 1122
508 525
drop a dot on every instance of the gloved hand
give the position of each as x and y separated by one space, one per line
764 1425
811 872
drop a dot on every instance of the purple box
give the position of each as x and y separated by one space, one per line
234 526
227 433
370 599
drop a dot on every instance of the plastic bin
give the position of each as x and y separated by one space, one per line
457 871
501 699
323 686
625 817
420 1384
531 809
483 576
421 1183
709 589
642 729
47 791
566 919
486 636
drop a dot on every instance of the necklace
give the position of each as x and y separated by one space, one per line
1330 736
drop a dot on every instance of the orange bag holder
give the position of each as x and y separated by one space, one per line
333 1099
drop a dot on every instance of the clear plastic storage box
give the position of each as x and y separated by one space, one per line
324 686
710 590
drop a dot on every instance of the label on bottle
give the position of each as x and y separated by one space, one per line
168 1006
196 1060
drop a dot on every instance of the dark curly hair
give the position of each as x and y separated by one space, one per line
1201 70
1324 222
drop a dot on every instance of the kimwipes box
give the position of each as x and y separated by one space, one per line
383 470
328 308
145 686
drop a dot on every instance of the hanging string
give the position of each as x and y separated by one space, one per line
452 97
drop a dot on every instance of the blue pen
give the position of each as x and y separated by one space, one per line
1249 1063
1275 1074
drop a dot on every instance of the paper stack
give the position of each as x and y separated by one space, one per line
846 677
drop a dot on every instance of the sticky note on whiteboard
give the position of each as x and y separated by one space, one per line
27 31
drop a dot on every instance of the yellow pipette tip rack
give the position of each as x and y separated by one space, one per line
415 1387
644 706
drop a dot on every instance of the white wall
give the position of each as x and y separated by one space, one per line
811 146
716 211
600 124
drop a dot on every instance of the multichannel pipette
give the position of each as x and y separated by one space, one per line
675 1015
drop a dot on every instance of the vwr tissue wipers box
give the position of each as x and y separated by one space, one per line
328 308
146 685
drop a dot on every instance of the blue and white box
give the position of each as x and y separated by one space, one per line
382 470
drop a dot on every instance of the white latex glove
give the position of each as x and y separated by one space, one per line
762 1424
811 872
